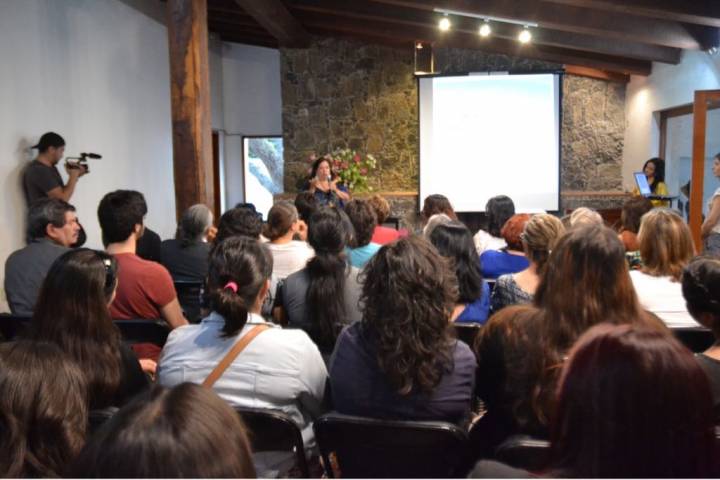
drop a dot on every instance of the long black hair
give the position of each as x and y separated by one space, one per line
237 263
498 210
659 175
454 241
328 270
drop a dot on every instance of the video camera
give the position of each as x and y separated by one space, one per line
82 161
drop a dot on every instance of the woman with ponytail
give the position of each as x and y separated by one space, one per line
323 297
278 370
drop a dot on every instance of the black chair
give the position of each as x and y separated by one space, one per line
189 293
372 448
139 330
274 431
467 332
96 418
697 339
523 451
12 326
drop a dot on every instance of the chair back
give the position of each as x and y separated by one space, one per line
370 448
696 339
271 431
189 293
96 418
467 332
140 330
12 326
525 452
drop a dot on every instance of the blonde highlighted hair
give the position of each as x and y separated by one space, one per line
539 237
666 245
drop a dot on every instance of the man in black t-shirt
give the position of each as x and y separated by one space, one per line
41 178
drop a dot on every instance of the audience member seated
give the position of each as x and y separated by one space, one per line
52 228
362 216
510 259
145 289
631 403
322 297
666 247
382 235
186 432
454 241
498 210
538 239
433 205
73 313
701 289
242 221
278 370
632 211
402 360
186 255
520 348
584 217
434 222
149 246
43 410
282 225
306 204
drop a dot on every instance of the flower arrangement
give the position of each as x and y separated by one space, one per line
352 168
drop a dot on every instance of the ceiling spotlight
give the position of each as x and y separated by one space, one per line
525 36
418 45
444 24
485 29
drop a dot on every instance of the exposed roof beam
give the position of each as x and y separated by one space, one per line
542 36
701 12
570 19
472 41
277 20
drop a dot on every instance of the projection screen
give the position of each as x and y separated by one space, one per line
487 135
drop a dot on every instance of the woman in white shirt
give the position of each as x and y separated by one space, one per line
282 225
666 247
710 230
278 370
498 210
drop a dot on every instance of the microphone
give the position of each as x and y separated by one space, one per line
95 156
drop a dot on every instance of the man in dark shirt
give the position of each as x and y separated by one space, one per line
52 228
41 178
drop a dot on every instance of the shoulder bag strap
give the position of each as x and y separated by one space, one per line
232 354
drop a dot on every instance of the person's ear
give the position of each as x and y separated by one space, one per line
52 232
139 230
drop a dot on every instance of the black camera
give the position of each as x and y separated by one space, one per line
82 161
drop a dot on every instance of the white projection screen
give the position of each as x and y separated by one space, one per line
487 135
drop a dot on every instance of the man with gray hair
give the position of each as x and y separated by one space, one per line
52 228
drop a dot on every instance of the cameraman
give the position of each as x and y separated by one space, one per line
41 178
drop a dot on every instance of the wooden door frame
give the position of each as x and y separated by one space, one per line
700 109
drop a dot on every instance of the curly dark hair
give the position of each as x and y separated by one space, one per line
243 221
409 291
364 221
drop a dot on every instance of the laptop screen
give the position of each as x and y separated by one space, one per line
642 184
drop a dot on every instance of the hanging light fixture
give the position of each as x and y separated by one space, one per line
485 29
525 36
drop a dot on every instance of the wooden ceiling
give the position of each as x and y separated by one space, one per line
623 36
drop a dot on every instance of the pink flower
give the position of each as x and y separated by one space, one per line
344 165
356 158
364 171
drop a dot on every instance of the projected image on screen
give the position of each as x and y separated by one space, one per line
263 171
488 135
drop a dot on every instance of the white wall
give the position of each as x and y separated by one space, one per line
97 72
668 86
252 105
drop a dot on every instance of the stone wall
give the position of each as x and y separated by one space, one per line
340 93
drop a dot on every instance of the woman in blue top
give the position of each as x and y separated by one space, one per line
510 259
454 241
323 183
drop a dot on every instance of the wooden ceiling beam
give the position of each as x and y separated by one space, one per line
700 12
472 41
569 19
277 20
542 36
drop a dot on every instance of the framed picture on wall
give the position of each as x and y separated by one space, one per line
262 170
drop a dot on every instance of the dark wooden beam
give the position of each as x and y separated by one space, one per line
277 20
700 12
597 74
190 102
569 19
410 33
542 36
